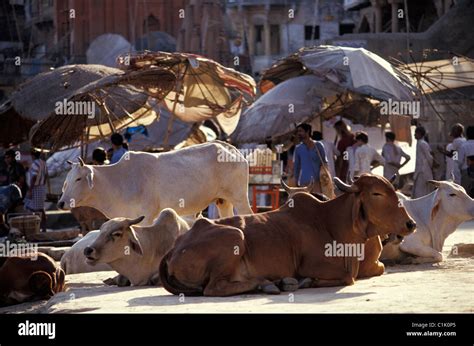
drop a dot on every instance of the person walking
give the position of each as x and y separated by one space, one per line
366 157
330 149
307 158
347 139
423 166
36 195
393 153
452 152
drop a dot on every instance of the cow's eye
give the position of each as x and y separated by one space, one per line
452 194
377 194
116 235
78 179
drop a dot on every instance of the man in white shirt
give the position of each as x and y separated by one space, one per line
366 157
452 153
392 153
423 165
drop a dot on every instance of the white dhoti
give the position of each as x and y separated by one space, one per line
421 186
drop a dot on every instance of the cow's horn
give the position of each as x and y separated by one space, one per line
285 186
393 178
451 179
310 186
434 182
135 221
81 161
345 187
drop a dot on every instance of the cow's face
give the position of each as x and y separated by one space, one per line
377 209
77 186
116 240
453 201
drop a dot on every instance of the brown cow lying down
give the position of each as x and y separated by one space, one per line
27 279
370 266
247 253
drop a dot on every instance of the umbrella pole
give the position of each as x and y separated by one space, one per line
321 125
170 123
87 141
179 86
82 145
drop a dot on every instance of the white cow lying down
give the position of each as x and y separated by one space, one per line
186 180
437 215
135 252
73 260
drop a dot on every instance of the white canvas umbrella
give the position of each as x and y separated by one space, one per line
355 69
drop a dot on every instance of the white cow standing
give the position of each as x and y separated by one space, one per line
437 215
186 180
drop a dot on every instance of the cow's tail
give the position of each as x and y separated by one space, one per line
171 284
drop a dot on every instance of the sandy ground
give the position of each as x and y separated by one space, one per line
444 287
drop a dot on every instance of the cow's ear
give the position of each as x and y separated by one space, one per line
436 204
134 242
90 179
359 217
435 183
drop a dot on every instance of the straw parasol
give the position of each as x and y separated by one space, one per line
204 90
118 101
450 79
35 99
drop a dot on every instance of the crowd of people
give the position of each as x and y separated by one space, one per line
351 155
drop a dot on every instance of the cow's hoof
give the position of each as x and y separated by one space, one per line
305 283
110 282
289 284
270 289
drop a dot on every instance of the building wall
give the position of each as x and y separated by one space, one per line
125 17
327 15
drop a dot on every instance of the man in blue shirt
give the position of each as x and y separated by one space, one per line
307 161
120 148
